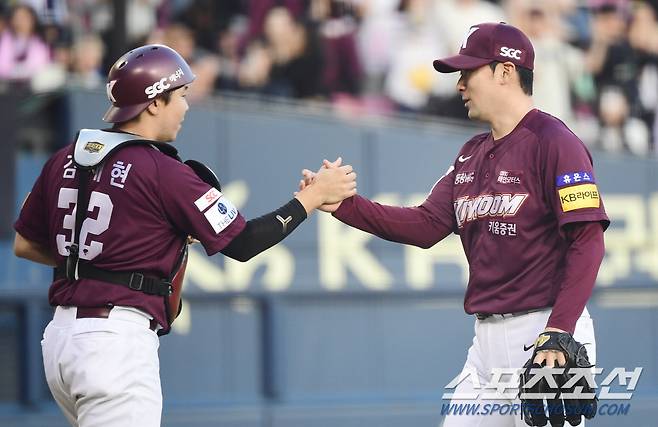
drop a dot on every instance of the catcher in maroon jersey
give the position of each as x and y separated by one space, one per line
113 213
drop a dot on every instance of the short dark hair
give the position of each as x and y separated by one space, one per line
165 97
525 76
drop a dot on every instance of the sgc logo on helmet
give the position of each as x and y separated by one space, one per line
157 88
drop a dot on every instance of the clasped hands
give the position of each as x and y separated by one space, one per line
332 184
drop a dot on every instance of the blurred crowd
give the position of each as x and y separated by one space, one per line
596 62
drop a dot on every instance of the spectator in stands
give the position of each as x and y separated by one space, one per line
259 10
610 58
228 48
575 16
382 26
297 61
380 48
86 62
50 12
643 37
204 64
411 78
560 73
619 130
141 18
254 69
89 16
3 17
455 17
337 28
54 17
181 38
210 17
615 66
97 16
22 49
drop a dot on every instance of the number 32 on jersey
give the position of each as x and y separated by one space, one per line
68 200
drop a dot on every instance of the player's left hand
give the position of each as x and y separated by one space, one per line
550 358
544 401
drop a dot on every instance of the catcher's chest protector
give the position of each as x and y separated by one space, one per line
91 149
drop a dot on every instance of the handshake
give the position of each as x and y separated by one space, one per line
326 188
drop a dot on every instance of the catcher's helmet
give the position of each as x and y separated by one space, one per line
139 76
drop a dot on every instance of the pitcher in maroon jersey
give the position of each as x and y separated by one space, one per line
112 213
523 199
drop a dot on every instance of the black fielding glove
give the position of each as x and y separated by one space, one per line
558 408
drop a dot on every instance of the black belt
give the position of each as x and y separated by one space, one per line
135 281
104 313
484 316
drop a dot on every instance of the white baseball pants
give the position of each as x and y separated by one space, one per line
104 372
498 343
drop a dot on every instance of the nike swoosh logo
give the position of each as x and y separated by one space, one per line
527 347
462 159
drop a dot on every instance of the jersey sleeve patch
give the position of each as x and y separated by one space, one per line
573 178
207 199
579 197
221 214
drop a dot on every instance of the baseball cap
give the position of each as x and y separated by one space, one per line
488 42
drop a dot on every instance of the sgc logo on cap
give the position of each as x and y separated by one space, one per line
508 52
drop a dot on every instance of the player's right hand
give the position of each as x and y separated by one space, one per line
335 184
309 176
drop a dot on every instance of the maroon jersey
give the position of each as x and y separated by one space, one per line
142 206
508 200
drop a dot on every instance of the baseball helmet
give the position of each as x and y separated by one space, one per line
139 76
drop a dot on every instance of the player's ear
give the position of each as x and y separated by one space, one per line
154 107
508 71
